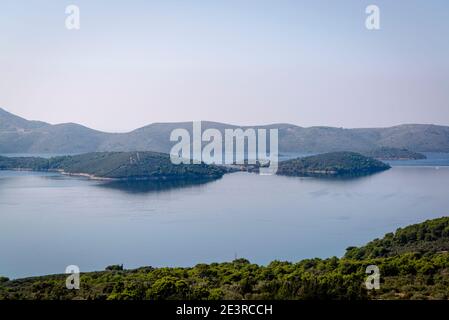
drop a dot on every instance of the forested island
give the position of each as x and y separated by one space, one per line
413 264
158 167
116 166
332 164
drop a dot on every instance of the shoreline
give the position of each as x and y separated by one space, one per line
94 177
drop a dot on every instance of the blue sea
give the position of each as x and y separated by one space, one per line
49 221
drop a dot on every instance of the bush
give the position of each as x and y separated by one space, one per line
115 267
3 279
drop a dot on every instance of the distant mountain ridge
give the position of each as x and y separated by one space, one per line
18 135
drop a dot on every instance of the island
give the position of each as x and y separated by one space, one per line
387 153
332 164
155 166
116 166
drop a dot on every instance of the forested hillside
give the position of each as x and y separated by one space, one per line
405 273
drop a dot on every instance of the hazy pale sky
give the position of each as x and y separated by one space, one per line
244 62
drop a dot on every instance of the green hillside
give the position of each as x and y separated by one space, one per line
405 273
428 237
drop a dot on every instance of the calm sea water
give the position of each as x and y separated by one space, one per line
48 221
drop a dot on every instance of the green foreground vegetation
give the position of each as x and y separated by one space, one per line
413 263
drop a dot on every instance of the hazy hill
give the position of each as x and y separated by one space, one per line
12 123
413 137
388 153
18 135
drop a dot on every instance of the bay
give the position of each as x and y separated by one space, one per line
49 221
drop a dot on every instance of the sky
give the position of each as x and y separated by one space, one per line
309 63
